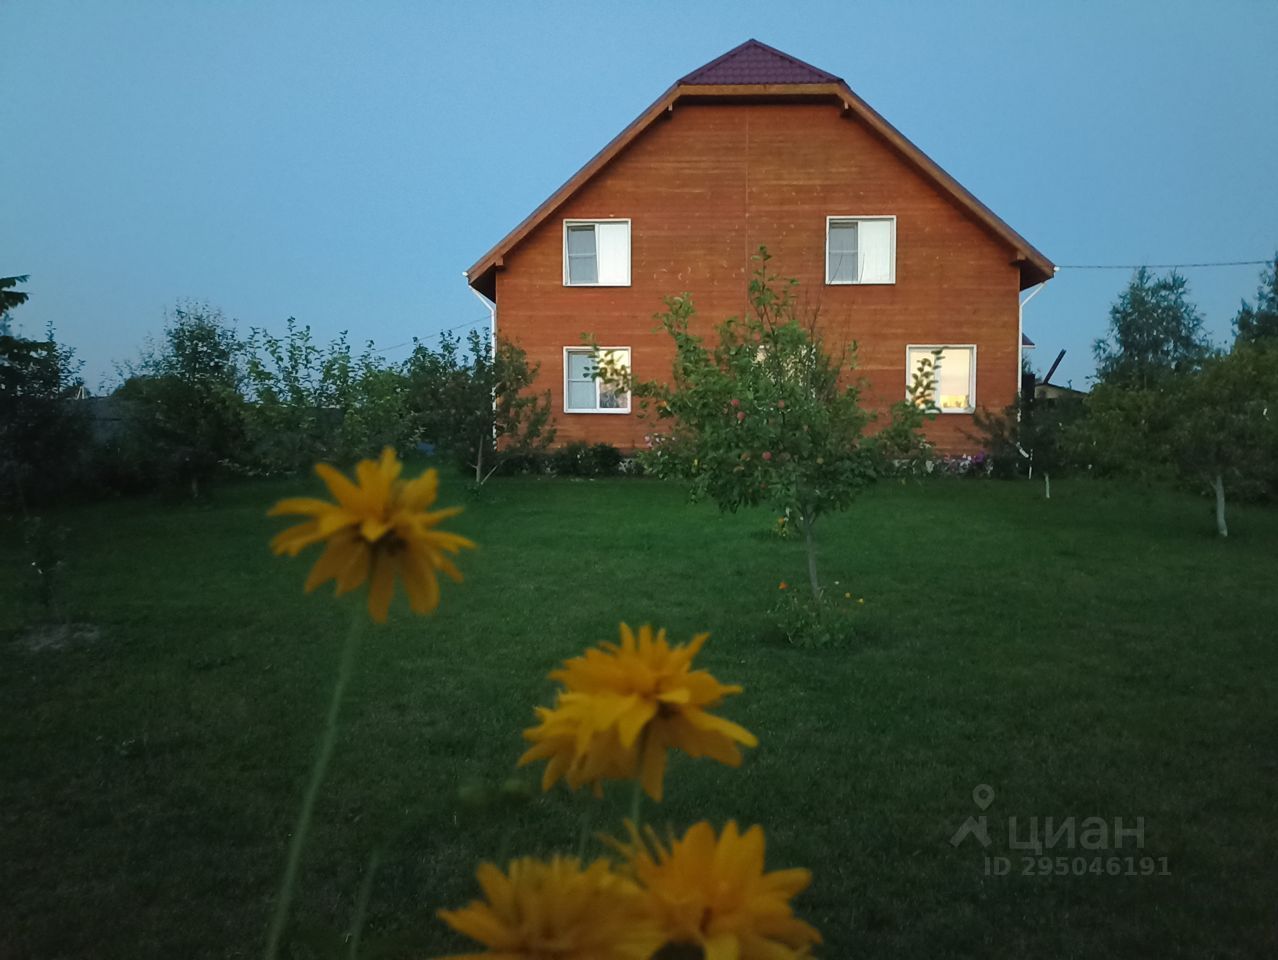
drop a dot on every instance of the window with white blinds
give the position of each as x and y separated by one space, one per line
597 253
860 250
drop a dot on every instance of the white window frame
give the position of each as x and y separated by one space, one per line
971 374
860 218
592 223
598 409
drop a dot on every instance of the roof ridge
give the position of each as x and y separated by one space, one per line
715 62
792 58
737 62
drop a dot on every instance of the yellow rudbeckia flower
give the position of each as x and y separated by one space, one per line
557 908
712 892
623 706
378 530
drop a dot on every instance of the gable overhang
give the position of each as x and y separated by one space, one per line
1034 267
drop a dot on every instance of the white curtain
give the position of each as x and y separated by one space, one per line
613 244
875 248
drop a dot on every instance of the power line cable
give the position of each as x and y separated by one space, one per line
432 336
1160 266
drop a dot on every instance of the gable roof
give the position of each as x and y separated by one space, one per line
755 70
755 62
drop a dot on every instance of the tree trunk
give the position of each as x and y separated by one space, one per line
1221 527
1047 486
479 462
810 544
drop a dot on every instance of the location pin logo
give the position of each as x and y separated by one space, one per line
983 795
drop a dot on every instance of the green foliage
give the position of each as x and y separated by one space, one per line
1259 324
828 620
42 432
1031 436
10 298
368 400
586 460
605 459
1154 330
1214 428
1226 422
287 425
310 402
768 415
1124 431
1167 406
477 403
187 412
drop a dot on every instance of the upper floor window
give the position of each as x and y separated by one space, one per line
597 253
860 250
953 375
584 391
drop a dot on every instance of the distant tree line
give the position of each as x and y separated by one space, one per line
1166 404
203 402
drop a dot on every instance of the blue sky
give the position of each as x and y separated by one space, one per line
343 163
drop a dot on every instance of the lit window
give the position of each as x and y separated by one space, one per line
860 250
597 253
583 392
953 377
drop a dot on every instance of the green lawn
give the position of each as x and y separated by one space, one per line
1098 655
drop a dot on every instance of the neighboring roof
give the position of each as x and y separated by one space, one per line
755 70
1054 391
1027 343
755 62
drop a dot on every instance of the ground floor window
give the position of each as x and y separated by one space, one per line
583 392
953 376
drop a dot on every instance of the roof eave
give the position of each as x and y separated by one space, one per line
1034 272
1035 268
490 260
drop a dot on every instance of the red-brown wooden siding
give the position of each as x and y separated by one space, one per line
709 184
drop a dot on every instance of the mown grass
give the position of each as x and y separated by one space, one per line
1101 654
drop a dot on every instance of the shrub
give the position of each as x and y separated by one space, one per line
604 460
806 621
522 464
570 460
586 460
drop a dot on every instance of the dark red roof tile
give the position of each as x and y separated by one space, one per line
755 62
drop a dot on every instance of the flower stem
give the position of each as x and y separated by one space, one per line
586 819
636 804
361 905
302 829
636 798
